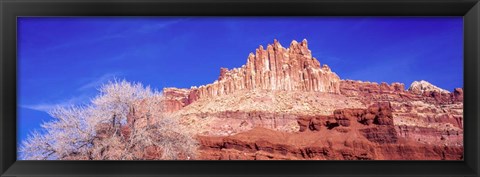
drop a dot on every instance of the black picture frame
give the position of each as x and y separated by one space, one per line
11 9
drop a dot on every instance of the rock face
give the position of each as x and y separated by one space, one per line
175 98
347 134
424 86
425 114
273 68
366 91
282 104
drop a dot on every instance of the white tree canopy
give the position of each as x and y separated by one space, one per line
72 134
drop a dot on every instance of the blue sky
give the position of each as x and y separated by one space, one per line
62 61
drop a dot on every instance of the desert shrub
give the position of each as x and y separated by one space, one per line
74 131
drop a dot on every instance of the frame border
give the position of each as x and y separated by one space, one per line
10 9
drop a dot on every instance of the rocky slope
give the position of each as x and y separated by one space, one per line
282 104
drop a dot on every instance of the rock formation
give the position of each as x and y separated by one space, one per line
282 104
273 68
176 99
424 86
347 134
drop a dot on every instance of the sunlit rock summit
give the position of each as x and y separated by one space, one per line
424 86
273 68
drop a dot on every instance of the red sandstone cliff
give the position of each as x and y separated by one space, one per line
285 93
347 134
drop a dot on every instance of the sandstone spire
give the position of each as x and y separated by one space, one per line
276 68
273 68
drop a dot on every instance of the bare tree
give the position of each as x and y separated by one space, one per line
38 146
118 98
74 132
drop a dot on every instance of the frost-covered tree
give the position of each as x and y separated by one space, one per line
38 146
74 132
118 98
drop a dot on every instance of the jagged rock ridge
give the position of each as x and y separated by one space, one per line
273 68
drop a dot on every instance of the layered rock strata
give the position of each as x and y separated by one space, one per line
273 68
428 115
285 93
347 134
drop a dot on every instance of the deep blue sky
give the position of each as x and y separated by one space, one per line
62 61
